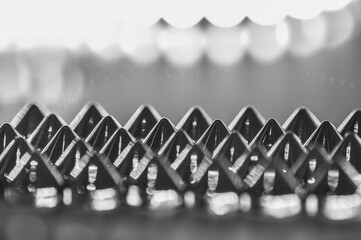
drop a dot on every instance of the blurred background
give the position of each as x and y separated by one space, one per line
222 55
219 54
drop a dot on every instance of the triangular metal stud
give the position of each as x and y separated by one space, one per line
350 150
153 173
12 155
288 148
269 134
7 134
232 147
28 119
94 182
195 122
251 167
175 145
155 183
351 123
70 158
34 181
287 151
117 143
188 161
213 136
160 133
302 122
86 120
45 131
216 176
248 123
129 158
102 132
325 135
59 143
142 121
313 169
323 176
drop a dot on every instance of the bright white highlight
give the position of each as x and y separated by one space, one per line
342 207
133 197
103 199
305 9
15 78
341 27
245 202
182 14
311 205
182 47
140 12
189 199
281 206
307 36
48 66
145 48
224 45
164 200
46 197
223 203
267 43
226 13
267 12
335 5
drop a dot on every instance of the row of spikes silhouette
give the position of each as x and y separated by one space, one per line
94 152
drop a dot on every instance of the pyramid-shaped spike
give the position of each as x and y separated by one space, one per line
351 123
195 122
86 120
341 182
269 134
284 154
302 122
155 173
232 147
34 181
129 158
7 134
12 155
325 135
213 136
343 178
58 144
94 172
45 131
288 148
263 175
142 121
28 119
248 123
322 176
160 133
94 183
188 161
279 178
251 167
102 132
117 143
70 158
175 145
216 176
46 176
313 169
349 150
